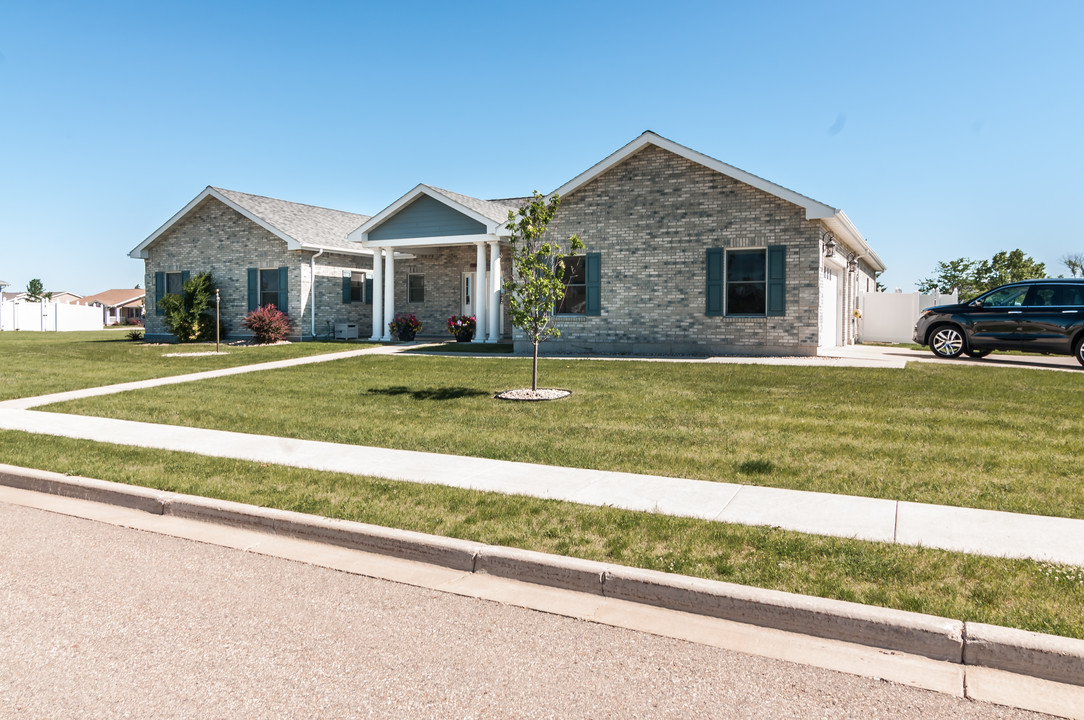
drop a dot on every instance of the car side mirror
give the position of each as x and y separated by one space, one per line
975 303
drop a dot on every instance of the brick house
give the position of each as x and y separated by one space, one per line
261 251
685 255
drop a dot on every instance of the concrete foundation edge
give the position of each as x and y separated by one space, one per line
1047 657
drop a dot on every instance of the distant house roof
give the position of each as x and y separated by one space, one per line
115 298
303 227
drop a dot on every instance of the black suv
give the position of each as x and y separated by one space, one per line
1044 316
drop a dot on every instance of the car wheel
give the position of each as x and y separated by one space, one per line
1078 350
976 353
947 341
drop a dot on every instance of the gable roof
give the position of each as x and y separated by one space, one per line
832 218
303 227
116 297
491 213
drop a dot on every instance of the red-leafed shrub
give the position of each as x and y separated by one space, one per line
268 324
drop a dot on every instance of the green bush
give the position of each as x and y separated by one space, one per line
190 316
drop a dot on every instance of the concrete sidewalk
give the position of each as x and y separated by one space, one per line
982 532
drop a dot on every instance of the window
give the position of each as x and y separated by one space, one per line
575 300
269 287
357 287
1006 297
746 282
415 288
583 286
174 283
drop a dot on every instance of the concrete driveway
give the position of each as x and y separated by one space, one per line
892 356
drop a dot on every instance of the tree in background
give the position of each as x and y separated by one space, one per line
538 272
1075 263
971 277
190 315
35 291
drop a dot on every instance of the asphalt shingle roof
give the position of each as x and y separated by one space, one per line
308 224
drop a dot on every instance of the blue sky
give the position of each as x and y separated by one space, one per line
943 129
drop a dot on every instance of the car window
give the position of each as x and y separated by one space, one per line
1041 296
1006 297
1067 295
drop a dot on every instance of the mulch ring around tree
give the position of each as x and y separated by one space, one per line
529 395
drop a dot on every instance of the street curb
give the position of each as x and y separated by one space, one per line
1048 657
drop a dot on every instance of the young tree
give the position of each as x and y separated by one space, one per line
538 272
35 291
189 316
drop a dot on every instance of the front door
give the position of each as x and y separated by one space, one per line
468 300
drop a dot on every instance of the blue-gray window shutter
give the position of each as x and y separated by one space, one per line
593 281
713 289
184 279
284 292
777 280
346 289
159 291
368 290
253 288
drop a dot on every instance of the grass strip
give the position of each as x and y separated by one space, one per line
39 363
1017 593
992 438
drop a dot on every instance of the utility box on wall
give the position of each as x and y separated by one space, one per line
346 331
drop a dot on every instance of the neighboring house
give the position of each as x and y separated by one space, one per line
119 307
685 255
61 297
261 251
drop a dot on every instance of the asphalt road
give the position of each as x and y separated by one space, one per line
100 621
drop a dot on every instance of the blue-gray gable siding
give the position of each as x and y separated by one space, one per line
426 217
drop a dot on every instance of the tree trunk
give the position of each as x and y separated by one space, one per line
534 369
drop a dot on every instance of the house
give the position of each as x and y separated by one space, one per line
119 307
685 255
61 297
261 251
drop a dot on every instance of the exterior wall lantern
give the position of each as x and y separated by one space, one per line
828 241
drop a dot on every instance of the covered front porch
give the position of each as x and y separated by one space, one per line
437 254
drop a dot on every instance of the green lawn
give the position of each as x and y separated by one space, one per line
1016 593
1007 439
39 363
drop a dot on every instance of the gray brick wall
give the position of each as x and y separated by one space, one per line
215 237
653 218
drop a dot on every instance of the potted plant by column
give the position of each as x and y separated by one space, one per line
405 327
462 326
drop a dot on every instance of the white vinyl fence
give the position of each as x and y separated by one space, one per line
891 317
49 317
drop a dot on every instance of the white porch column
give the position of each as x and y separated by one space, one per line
494 292
480 286
378 294
389 292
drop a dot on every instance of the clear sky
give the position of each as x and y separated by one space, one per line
943 129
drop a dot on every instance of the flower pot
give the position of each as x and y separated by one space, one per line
464 336
406 334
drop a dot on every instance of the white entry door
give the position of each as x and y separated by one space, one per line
830 308
468 294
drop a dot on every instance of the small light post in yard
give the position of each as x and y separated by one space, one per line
218 324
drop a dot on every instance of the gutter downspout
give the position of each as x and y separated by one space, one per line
312 290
